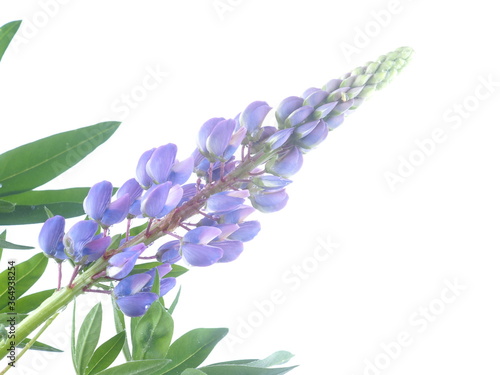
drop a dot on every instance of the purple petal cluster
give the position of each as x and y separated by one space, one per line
133 294
98 205
83 245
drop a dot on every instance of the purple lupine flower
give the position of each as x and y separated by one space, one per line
226 200
194 248
159 200
252 117
287 164
166 284
312 137
169 252
134 190
82 245
286 107
98 205
122 263
269 200
51 236
278 139
129 298
235 216
246 231
159 165
143 178
231 250
218 139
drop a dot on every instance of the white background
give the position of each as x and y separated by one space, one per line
398 249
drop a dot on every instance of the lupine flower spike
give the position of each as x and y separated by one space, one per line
208 216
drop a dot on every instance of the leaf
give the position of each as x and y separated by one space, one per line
175 301
192 348
192 371
31 165
31 206
29 303
88 337
244 370
27 273
9 245
3 236
38 346
274 359
176 269
7 32
144 367
119 319
4 318
106 354
6 207
152 334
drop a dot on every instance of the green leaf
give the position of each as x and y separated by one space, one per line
152 334
244 370
274 359
119 319
144 367
38 346
9 245
156 283
4 318
192 371
235 362
106 354
29 303
31 165
7 32
3 236
175 301
26 273
88 337
176 269
192 348
31 206
6 207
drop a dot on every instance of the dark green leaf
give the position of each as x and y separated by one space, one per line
26 274
7 32
192 371
9 245
119 319
244 370
192 348
152 334
88 337
29 303
31 165
106 354
38 346
32 206
145 367
6 207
